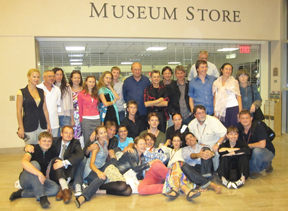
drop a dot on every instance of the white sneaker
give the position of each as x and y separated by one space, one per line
78 190
239 183
17 185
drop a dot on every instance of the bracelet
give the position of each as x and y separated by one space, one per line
218 143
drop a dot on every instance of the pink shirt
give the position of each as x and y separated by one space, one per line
87 105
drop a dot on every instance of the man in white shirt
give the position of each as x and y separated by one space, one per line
212 69
208 130
52 97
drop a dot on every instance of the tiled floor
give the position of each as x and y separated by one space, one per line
265 193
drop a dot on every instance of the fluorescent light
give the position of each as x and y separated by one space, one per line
173 62
126 62
231 56
228 49
76 55
76 63
156 48
76 60
75 48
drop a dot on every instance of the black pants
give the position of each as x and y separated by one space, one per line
162 122
239 163
55 175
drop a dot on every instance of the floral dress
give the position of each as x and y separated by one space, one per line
77 127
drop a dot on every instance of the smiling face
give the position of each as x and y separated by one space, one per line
232 136
149 141
101 134
245 120
180 75
176 142
107 79
34 78
140 146
111 131
49 77
58 76
155 78
203 56
67 134
190 140
202 70
76 79
90 82
227 70
153 122
122 132
45 143
167 75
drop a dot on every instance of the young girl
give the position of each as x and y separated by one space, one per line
76 82
88 103
227 98
65 110
176 180
94 169
235 155
108 97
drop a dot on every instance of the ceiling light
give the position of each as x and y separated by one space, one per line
76 63
144 54
231 56
76 60
126 62
174 63
228 49
156 48
75 48
76 55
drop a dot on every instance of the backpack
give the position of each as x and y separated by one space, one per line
270 132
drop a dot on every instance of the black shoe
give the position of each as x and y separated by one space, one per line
16 195
269 168
44 202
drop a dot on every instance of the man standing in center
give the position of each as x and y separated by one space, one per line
133 89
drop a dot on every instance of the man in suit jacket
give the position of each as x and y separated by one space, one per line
65 165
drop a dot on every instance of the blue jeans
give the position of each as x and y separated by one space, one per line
260 159
79 173
63 121
188 119
32 187
121 115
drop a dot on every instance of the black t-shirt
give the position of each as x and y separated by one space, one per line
134 129
43 158
151 94
259 134
171 130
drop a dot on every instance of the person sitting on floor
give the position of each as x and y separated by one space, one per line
234 160
198 165
32 179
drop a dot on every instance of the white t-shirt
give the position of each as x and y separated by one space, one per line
52 98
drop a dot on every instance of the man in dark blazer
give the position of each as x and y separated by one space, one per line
65 165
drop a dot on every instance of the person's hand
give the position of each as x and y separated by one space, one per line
252 108
92 147
92 137
29 148
208 154
215 147
72 122
161 99
101 175
21 133
109 86
41 178
129 149
201 154
168 142
58 164
216 116
49 128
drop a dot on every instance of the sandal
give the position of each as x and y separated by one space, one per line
78 205
190 198
170 196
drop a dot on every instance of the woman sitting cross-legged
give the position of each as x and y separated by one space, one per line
95 167
234 155
176 181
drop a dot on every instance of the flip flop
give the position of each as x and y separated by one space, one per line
170 196
190 198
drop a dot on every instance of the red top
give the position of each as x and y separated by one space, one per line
87 105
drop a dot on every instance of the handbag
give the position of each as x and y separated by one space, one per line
258 114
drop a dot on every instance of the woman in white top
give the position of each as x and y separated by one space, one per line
65 110
176 182
227 97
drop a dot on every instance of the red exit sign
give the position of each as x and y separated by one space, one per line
244 49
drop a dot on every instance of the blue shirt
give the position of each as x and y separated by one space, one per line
125 143
187 151
134 90
202 92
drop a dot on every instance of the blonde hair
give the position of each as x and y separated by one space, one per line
32 71
101 80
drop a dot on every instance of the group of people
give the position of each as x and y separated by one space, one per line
211 133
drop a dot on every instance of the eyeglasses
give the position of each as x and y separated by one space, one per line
243 75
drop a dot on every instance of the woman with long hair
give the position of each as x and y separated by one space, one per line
88 107
65 110
31 102
227 97
108 98
76 82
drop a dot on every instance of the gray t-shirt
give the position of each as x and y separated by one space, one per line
118 90
183 107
